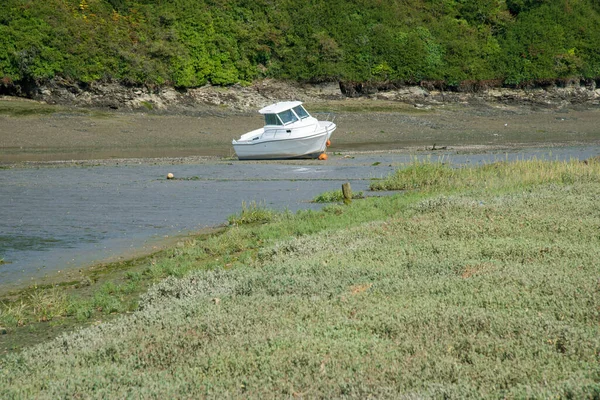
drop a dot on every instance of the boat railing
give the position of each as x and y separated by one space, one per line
327 117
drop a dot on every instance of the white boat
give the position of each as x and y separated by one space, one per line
289 132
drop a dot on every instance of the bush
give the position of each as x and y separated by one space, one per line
191 43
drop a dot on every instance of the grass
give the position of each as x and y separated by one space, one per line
20 107
480 288
236 246
335 196
252 213
426 175
25 108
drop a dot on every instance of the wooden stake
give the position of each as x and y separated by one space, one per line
347 191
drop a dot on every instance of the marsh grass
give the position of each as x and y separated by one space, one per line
14 313
252 213
116 288
48 304
335 196
21 108
427 175
486 292
25 108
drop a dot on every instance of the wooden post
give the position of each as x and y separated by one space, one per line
347 192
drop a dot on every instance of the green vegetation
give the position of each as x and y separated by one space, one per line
329 197
20 107
335 196
476 282
252 213
428 176
24 108
456 44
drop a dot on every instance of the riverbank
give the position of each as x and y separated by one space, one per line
485 288
115 96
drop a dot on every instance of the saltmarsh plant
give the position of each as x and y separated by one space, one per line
252 213
13 314
483 294
329 197
427 175
418 175
49 303
256 227
235 246
334 196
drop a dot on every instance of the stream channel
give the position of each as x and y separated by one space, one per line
57 220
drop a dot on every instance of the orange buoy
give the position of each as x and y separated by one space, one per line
328 143
322 156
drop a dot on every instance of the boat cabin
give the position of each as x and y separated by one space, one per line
284 113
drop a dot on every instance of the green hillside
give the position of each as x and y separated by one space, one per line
188 43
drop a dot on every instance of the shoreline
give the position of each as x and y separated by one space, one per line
39 135
73 274
334 155
36 132
242 98
33 130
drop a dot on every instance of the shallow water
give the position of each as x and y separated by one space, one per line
54 221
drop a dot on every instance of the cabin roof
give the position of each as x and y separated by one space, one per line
279 107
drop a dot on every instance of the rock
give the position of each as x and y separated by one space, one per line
261 93
170 176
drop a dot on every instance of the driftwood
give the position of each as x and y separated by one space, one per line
439 148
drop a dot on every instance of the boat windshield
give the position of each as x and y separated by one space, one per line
301 112
287 117
271 119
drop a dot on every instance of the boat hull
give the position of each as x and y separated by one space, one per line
307 146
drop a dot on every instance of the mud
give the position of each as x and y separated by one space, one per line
52 133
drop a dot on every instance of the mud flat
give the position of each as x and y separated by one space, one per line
34 131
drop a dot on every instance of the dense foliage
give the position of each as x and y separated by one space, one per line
189 43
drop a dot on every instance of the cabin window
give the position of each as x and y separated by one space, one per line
271 119
301 112
287 117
